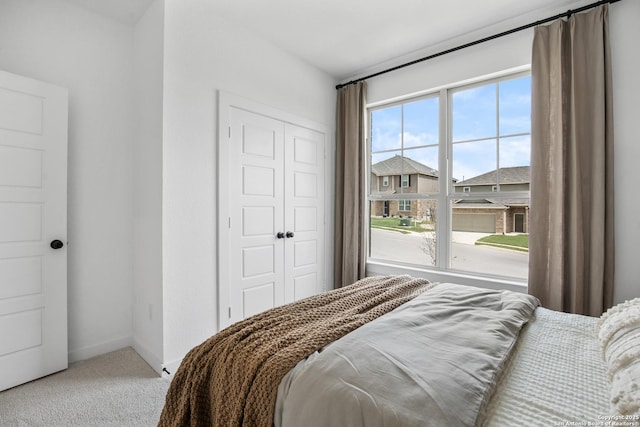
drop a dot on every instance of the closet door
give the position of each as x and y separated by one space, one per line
271 209
304 212
256 214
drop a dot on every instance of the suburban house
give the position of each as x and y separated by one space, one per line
490 215
403 175
398 175
145 166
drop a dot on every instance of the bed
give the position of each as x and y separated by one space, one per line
401 351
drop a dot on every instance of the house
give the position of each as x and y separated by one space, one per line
142 164
488 215
400 175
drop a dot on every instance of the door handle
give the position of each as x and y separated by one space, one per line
289 234
280 235
56 244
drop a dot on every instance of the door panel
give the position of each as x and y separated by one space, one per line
256 209
257 299
33 211
304 213
305 286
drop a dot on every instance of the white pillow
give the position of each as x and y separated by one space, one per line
619 332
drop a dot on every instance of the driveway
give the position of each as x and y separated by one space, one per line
467 237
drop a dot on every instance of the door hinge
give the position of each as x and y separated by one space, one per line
229 222
229 312
229 132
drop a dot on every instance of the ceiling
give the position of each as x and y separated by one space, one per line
349 37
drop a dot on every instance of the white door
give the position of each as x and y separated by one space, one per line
33 214
275 206
256 211
304 213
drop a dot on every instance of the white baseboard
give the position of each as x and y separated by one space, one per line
99 349
152 359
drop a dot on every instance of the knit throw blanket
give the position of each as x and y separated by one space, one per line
232 378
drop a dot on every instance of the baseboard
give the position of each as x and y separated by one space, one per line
99 349
152 359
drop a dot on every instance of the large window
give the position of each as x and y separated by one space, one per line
462 158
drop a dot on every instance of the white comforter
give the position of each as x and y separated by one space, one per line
433 361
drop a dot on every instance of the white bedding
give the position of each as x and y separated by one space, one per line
555 376
431 362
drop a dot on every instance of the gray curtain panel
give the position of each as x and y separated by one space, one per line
350 198
571 254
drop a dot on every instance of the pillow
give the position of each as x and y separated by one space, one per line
619 333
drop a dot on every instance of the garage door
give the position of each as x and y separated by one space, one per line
481 223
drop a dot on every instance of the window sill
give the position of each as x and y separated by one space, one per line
376 268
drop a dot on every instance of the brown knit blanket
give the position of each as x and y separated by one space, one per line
232 378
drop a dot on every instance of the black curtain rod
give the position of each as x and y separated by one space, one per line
486 39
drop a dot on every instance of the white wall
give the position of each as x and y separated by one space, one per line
56 42
147 222
515 51
204 54
625 56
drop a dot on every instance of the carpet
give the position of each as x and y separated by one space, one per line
114 389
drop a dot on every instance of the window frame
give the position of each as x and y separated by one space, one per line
403 203
446 193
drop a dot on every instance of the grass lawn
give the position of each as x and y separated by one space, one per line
518 241
394 224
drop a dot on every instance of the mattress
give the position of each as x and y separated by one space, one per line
555 375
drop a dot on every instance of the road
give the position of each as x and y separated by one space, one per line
407 248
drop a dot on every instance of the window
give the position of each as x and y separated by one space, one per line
447 142
385 181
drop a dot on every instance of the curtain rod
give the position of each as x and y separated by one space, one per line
486 39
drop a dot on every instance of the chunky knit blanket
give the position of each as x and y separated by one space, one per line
232 378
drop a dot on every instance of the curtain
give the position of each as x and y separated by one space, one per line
571 256
350 256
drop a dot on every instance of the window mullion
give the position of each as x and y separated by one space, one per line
443 209
498 135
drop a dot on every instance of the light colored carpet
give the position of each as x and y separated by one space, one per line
115 389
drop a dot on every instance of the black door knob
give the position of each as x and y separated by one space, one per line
280 235
289 234
56 244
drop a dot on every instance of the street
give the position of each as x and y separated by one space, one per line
407 248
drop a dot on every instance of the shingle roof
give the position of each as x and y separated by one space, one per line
498 203
400 165
514 175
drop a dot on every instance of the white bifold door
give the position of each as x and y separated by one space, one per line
33 228
275 194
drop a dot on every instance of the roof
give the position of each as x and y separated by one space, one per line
400 165
514 175
491 203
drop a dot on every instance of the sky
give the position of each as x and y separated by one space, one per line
477 129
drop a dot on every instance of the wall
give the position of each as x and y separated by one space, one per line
625 56
203 54
514 51
147 220
59 43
